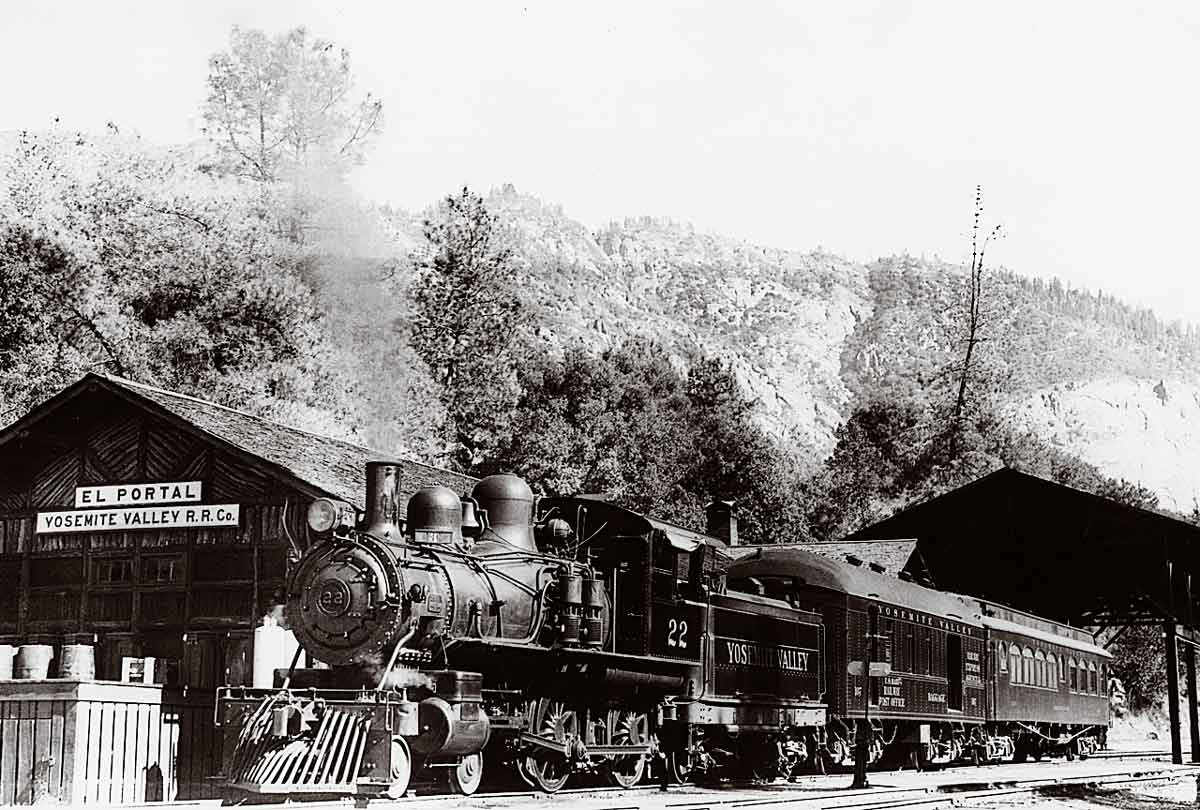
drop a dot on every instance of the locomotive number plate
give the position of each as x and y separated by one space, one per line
333 598
676 630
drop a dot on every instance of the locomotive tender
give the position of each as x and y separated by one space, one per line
559 636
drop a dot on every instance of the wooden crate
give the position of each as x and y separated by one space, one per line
96 742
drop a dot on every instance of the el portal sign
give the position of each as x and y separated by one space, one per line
126 507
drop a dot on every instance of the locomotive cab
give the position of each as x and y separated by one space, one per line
643 563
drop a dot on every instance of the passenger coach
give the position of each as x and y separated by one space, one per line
931 643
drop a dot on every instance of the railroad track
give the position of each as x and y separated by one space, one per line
811 793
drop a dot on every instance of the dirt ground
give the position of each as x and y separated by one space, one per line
1147 796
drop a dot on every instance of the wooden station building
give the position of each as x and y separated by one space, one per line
154 524
166 586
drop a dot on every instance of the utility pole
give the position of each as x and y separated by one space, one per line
862 746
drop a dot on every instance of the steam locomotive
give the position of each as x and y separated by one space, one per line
562 636
578 638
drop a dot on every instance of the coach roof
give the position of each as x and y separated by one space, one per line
817 571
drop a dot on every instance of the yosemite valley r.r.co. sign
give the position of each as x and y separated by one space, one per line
176 507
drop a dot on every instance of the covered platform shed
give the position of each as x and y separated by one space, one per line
1067 555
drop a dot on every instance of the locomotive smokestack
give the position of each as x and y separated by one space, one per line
721 521
383 499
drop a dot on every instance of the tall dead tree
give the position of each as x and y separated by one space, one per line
974 326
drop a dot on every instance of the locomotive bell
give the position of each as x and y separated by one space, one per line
509 504
471 527
435 516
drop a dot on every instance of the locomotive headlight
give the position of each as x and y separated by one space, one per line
324 514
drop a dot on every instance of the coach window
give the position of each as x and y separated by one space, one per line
1051 671
1015 670
1074 673
1039 666
1000 651
1028 679
1093 686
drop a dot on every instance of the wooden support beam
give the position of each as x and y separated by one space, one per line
1189 660
1172 646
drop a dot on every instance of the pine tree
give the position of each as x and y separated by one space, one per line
470 325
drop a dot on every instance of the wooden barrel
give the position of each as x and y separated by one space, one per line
33 662
78 662
7 653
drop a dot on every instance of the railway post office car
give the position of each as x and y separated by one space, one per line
1048 685
932 700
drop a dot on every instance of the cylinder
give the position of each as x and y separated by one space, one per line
77 662
572 589
572 623
593 627
33 662
269 642
450 729
383 499
7 653
593 593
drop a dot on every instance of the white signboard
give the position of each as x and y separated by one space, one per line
146 517
137 494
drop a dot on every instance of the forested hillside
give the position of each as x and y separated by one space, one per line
642 360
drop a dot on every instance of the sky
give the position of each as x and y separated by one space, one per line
859 127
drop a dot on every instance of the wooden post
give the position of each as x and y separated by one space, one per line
862 743
1172 644
1189 662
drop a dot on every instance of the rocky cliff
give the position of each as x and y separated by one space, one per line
809 334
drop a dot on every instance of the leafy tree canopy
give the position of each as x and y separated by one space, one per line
626 423
142 266
284 106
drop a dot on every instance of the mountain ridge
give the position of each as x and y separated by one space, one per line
809 334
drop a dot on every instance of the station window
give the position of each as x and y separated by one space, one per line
1014 653
910 650
158 570
928 652
112 571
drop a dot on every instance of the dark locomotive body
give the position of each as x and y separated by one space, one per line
579 637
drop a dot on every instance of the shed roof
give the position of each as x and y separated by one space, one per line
328 466
1055 551
890 556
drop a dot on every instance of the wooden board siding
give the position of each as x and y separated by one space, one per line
122 587
104 743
